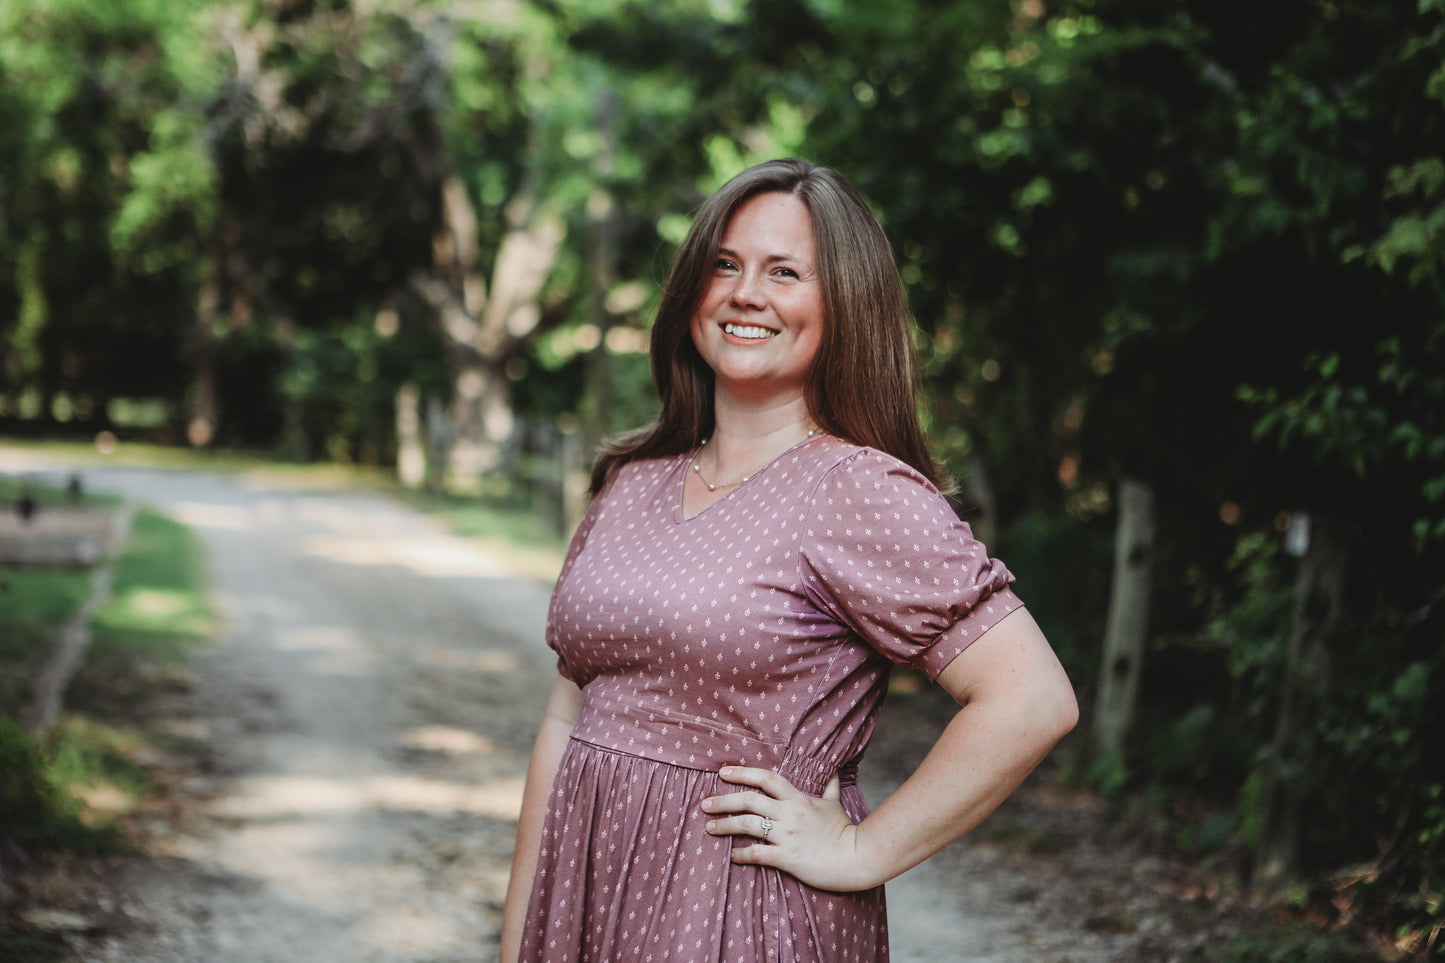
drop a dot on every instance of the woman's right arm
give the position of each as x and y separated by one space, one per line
556 729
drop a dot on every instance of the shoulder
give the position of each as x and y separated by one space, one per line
872 474
640 473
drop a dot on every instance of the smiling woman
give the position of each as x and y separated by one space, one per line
760 322
863 379
750 568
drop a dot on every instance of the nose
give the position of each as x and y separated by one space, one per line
747 291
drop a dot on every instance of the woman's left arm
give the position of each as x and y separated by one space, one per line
1015 703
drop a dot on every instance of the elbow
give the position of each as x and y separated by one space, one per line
1066 713
1055 712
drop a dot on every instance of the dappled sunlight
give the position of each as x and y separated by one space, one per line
498 798
279 798
413 928
200 515
449 740
344 652
425 556
325 638
487 660
150 603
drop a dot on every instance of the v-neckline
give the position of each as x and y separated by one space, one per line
680 515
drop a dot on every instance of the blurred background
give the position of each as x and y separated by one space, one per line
1178 268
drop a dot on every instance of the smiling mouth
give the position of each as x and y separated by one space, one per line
747 331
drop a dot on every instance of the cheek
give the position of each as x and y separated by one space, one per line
813 337
813 346
695 330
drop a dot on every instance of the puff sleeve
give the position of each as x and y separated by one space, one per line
884 554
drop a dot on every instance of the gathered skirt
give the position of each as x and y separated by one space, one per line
627 874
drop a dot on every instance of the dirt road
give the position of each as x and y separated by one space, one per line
368 711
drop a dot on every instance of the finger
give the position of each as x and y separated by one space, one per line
765 779
737 802
741 825
758 854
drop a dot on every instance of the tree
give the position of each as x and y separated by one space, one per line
95 308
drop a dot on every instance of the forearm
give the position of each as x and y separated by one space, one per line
1016 703
552 738
980 759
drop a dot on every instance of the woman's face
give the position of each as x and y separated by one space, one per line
760 321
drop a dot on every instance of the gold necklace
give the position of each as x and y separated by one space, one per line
697 465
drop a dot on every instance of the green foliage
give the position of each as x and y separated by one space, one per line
1062 564
91 87
38 811
22 946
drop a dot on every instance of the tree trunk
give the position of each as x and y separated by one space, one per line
438 446
1319 595
481 416
410 443
483 327
201 422
1127 627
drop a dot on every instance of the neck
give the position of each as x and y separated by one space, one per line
746 437
741 430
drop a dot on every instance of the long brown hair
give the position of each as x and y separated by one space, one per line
864 381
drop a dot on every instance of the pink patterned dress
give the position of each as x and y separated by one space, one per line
758 632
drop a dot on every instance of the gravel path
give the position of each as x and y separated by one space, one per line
367 713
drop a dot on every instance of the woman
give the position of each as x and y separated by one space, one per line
750 567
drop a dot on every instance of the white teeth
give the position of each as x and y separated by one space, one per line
748 331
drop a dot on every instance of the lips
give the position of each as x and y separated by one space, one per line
751 331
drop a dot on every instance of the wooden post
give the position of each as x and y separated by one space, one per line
1127 628
410 447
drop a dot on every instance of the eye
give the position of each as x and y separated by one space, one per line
787 272
723 264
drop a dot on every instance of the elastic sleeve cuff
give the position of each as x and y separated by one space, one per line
960 635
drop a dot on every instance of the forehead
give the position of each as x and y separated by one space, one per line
772 224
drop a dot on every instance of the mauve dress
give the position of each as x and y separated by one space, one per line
760 631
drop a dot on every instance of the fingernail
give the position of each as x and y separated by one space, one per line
711 825
707 804
726 771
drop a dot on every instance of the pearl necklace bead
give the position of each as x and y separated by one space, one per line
712 487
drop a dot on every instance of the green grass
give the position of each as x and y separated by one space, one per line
32 603
69 792
158 606
40 813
